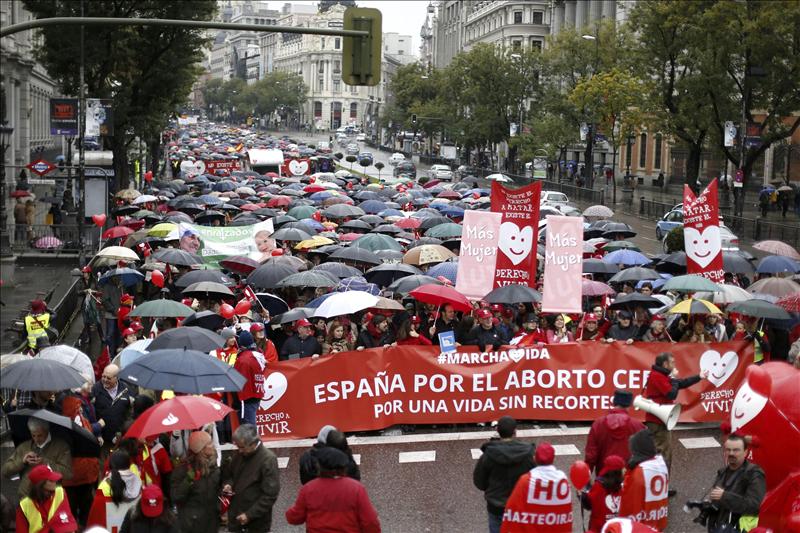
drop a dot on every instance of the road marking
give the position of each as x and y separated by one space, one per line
566 449
357 458
648 238
283 462
700 442
427 456
476 453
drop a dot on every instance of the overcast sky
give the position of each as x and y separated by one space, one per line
401 16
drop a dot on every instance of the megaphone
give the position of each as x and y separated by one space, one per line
666 413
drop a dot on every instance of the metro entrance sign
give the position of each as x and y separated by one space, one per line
41 167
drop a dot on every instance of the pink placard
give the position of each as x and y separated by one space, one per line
478 257
563 265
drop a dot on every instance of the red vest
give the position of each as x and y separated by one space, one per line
541 502
644 494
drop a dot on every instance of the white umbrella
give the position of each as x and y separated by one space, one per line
728 295
246 190
145 198
599 211
502 178
345 303
71 357
119 253
131 353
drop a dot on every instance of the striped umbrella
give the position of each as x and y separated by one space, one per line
693 306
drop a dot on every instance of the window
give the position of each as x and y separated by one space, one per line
317 109
628 155
538 17
642 150
337 66
517 17
322 43
337 43
516 45
321 84
657 154
353 110
536 45
321 67
337 86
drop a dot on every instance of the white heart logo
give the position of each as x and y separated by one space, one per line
516 355
612 502
515 243
298 168
720 367
170 420
274 388
702 248
746 405
193 168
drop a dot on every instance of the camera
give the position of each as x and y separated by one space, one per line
706 507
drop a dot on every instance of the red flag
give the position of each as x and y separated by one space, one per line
701 233
519 231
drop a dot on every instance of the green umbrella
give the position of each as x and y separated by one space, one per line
142 213
620 245
375 242
759 308
690 283
162 308
302 211
451 230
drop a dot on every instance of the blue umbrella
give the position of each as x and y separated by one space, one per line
224 186
357 283
372 206
626 257
774 264
128 276
391 213
452 211
448 269
210 200
366 195
316 302
321 195
133 352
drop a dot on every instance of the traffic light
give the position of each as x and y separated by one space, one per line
361 56
414 119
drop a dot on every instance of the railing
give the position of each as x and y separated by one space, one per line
650 209
46 238
64 313
576 194
759 229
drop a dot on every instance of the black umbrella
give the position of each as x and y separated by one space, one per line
302 225
636 299
207 289
598 266
634 274
356 225
388 229
268 276
290 234
280 220
409 283
183 370
357 255
736 263
190 337
340 270
373 220
311 278
674 263
204 319
245 220
81 442
423 241
432 222
595 229
291 260
390 256
40 375
209 215
197 276
290 316
273 304
758 308
386 274
174 256
618 229
342 211
513 294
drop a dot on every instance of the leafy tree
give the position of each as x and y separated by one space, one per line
674 240
147 71
275 91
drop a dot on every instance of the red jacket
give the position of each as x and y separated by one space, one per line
644 493
421 340
250 368
609 436
605 505
663 389
334 505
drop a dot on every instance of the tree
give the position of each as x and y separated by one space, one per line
275 91
147 71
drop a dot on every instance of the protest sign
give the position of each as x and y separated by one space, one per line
214 243
516 260
701 235
477 258
563 265
212 165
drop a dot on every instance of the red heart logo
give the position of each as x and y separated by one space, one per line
99 220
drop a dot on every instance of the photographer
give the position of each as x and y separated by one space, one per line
738 488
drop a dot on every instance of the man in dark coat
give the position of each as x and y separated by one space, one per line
252 481
624 329
610 433
304 344
446 321
112 402
504 459
486 334
739 487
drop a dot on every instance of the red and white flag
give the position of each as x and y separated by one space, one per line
249 294
701 235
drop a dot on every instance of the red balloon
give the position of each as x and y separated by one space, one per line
157 278
99 220
148 176
226 311
242 307
580 474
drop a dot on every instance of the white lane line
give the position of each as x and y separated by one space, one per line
357 458
283 462
476 453
648 238
427 456
566 449
700 442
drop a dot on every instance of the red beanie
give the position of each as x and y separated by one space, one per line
545 454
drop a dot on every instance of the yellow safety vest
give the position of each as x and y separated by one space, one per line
105 486
32 514
36 327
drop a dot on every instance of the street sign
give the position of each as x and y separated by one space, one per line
40 167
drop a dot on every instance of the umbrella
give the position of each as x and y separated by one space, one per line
290 260
356 225
791 303
274 305
376 241
618 229
598 266
207 289
311 278
203 275
433 221
345 303
174 256
81 442
636 299
598 211
183 370
513 294
144 198
408 223
291 234
357 283
728 295
426 254
314 242
372 206
181 412
340 270
439 295
760 309
777 248
343 211
450 230
11 358
358 255
409 283
162 308
777 287
736 263
128 194
39 374
117 232
775 264
620 245
690 283
634 274
388 304
240 264
595 288
71 357
302 211
189 337
626 257
132 352
163 230
693 306
127 276
268 276
293 315
447 270
674 263
204 319
117 253
383 275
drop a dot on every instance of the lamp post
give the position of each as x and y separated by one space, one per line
5 142
589 156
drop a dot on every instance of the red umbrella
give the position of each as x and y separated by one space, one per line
334 200
181 412
132 223
790 302
596 288
117 232
249 207
349 236
272 175
408 223
432 183
441 295
450 195
239 263
279 201
777 248
19 194
314 188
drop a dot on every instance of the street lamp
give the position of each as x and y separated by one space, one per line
5 142
589 156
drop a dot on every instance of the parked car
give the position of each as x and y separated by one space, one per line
673 219
406 167
553 198
440 172
361 137
396 158
365 156
352 149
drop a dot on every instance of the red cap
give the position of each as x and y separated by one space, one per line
508 313
38 307
612 462
545 454
497 307
483 313
126 299
128 331
87 269
152 501
302 322
41 473
256 326
416 319
658 317
483 304
137 326
590 317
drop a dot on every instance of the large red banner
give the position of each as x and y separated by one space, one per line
701 236
377 388
516 261
213 165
